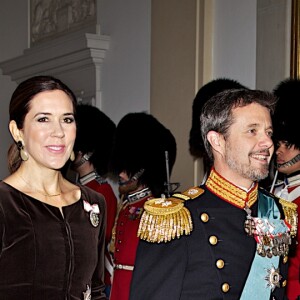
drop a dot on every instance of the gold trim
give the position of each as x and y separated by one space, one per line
190 193
295 39
164 219
291 215
229 192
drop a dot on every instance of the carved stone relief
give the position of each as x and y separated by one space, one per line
50 18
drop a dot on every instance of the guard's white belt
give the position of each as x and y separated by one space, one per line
124 267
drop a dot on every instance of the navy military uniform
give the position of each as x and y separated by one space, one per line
214 261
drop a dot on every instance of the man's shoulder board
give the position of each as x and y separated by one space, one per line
190 193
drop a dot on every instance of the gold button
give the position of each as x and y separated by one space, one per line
220 263
225 287
213 240
204 217
285 259
284 283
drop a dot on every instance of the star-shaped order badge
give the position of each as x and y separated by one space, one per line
273 278
94 211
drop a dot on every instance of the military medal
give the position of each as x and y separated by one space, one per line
94 212
87 295
272 236
94 218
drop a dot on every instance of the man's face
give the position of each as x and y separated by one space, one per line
126 185
284 153
248 146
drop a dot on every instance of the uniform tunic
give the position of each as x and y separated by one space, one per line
212 263
47 255
111 207
291 192
126 242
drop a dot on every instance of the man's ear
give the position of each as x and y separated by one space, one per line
15 132
216 141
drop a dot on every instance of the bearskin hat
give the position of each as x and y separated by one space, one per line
286 117
140 143
95 133
208 90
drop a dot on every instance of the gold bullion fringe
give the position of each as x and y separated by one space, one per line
164 220
291 215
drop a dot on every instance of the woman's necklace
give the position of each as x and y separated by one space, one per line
37 191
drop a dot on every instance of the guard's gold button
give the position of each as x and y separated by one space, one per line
213 240
285 259
220 263
204 217
284 283
225 287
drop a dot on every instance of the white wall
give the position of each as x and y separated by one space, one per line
126 68
234 41
14 39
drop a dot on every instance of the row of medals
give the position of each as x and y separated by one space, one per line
268 245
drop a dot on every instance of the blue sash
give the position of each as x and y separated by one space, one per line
257 285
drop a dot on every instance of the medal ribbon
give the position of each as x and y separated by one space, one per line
88 207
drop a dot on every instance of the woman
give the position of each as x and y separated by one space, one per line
51 231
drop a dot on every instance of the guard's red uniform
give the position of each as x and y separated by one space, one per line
126 242
291 192
111 209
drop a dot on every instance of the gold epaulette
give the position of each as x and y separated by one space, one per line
291 215
164 219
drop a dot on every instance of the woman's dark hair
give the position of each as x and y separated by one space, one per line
20 105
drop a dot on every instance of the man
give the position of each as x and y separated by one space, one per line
239 243
139 158
92 163
287 140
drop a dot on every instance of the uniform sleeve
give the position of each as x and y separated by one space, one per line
159 270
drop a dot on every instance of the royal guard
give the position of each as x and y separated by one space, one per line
287 165
91 165
143 157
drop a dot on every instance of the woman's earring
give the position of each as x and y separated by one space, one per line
72 156
23 153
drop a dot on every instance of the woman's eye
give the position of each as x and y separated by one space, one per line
68 120
43 119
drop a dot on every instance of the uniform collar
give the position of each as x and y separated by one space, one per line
139 195
230 192
90 177
293 179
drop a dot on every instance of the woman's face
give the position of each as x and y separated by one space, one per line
49 130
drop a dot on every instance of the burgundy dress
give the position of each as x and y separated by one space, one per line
47 255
